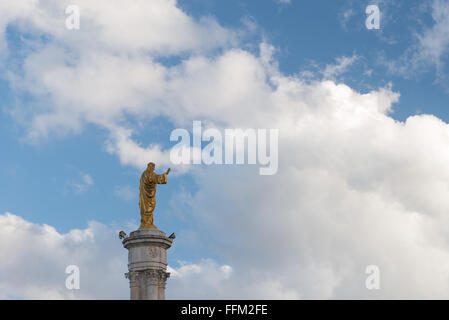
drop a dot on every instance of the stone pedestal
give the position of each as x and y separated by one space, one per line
147 263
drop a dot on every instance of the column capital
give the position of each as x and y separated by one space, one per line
156 276
133 277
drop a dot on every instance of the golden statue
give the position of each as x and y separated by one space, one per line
147 200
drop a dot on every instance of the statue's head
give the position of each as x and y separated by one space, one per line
151 166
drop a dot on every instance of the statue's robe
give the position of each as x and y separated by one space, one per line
147 201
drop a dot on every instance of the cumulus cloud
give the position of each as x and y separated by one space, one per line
35 258
354 186
208 279
131 153
105 70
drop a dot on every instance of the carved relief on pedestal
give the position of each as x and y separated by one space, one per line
153 252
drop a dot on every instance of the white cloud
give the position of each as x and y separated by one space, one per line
430 49
38 257
434 41
209 280
343 63
345 16
354 186
82 184
131 153
108 26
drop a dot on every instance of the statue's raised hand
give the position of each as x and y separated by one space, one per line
168 171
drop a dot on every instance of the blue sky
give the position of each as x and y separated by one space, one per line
68 177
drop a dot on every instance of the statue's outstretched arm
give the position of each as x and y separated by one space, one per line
161 178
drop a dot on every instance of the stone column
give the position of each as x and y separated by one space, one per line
134 279
147 263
